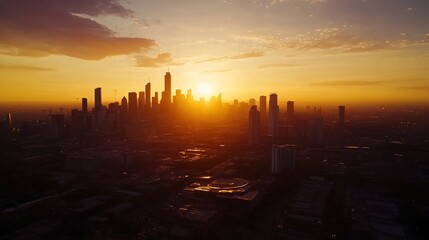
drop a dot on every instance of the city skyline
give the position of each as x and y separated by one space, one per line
323 51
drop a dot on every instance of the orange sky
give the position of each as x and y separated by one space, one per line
304 50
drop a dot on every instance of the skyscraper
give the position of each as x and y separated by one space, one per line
252 102
132 106
167 88
97 93
263 106
84 105
148 95
290 112
273 124
141 101
254 125
282 158
341 115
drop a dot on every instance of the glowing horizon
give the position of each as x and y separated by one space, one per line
306 51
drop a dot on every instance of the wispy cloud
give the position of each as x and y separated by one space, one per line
63 27
416 88
345 83
25 68
218 71
233 57
277 65
323 39
160 60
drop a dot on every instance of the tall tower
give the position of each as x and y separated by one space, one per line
263 107
254 125
282 158
341 115
148 96
167 88
84 105
97 93
290 112
273 124
132 106
141 102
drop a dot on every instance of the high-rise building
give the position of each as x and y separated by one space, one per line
132 106
148 96
97 93
290 112
123 112
341 115
252 102
273 123
189 96
282 158
57 125
155 102
84 105
263 106
167 88
124 105
254 125
141 101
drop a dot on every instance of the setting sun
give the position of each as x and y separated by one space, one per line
204 90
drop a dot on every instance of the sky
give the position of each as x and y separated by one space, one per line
339 51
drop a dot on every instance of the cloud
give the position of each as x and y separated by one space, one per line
345 83
322 39
233 57
63 27
25 68
218 71
277 65
416 88
161 60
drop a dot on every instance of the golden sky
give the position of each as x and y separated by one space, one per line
342 51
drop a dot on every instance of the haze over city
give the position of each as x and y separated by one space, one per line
192 119
327 50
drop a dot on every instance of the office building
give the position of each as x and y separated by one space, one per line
252 102
290 111
84 105
132 107
273 121
167 88
282 158
57 125
97 94
148 96
141 102
254 125
263 106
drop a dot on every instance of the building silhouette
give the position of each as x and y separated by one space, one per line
85 105
254 125
290 111
132 107
273 121
252 102
282 158
167 88
97 102
57 125
141 103
148 97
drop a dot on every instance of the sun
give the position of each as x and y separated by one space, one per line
205 90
